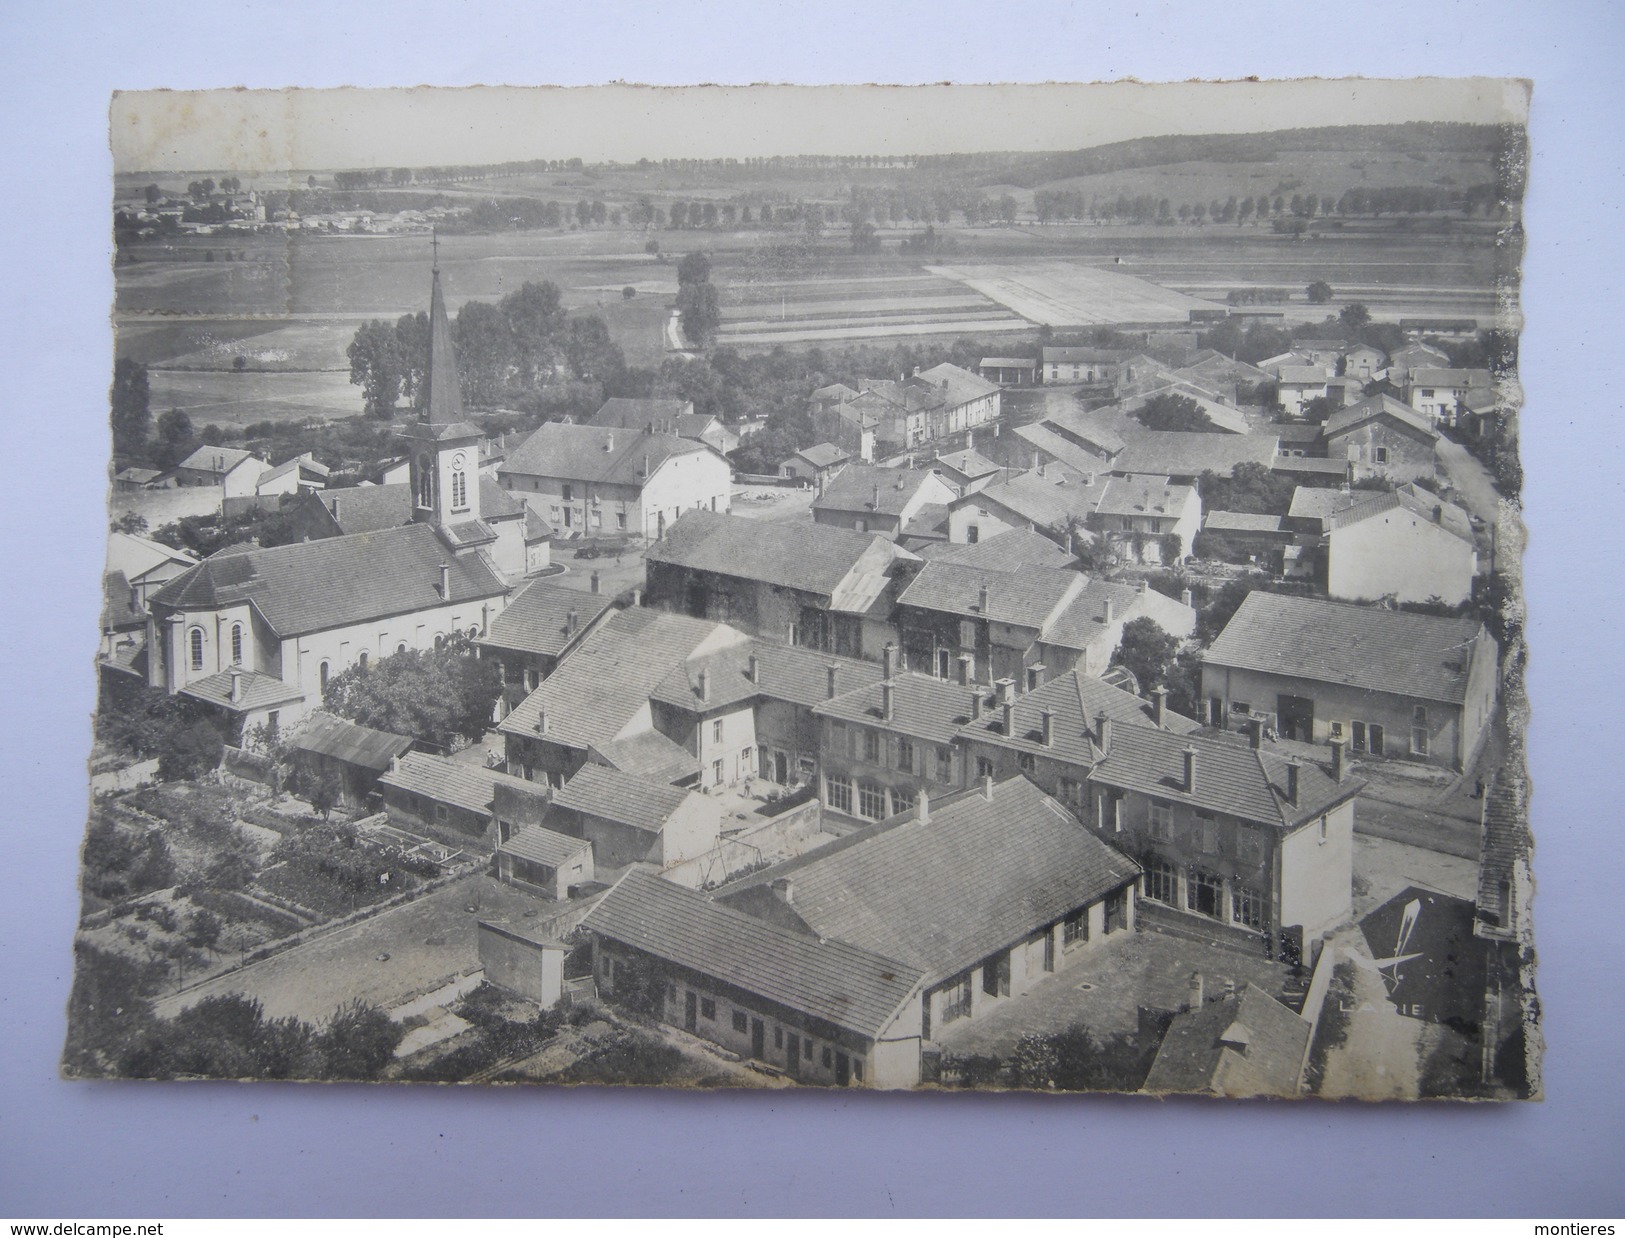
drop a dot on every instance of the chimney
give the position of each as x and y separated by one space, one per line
592 581
1145 586
1293 769
1048 719
1193 991
236 684
888 660
1007 691
1159 708
925 807
900 484
877 496
981 599
1009 719
1338 767
1438 514
833 671
1255 733
1035 676
987 787
1190 770
609 441
335 509
975 705
541 722
1111 610
754 673
705 684
445 581
1103 733
785 889
964 670
570 622
394 764
637 597
970 439
1185 597
886 700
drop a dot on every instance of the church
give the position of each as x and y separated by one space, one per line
254 634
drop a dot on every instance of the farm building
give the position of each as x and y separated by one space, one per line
354 756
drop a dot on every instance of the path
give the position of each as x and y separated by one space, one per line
1472 480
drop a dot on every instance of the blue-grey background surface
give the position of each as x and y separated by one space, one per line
134 1151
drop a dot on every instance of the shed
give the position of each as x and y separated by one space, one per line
356 755
523 962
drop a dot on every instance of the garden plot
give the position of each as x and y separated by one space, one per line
1067 294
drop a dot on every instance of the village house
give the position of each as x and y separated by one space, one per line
1182 458
1324 353
1240 1044
1438 393
1390 683
145 565
1296 385
426 793
1061 364
585 481
1406 544
1414 356
1049 500
539 627
965 400
666 417
1236 834
237 472
303 472
817 465
1263 537
1051 447
986 894
897 413
1363 362
1085 430
352 755
1380 437
816 586
867 498
629 820
541 861
1009 371
1144 520
967 470
834 1014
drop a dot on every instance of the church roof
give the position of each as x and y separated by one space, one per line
445 403
335 581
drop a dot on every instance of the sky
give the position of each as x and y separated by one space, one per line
311 130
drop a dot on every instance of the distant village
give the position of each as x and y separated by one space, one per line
951 740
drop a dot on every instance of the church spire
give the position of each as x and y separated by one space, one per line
444 404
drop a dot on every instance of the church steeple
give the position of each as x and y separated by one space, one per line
443 447
444 404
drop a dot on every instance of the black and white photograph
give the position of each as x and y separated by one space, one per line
941 588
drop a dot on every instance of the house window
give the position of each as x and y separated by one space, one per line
1162 882
1162 820
740 1022
744 762
716 771
1249 847
568 492
459 490
326 670
1206 837
1247 907
984 768
1419 731
1379 455
871 745
1027 762
1072 792
620 520
441 813
903 801
237 644
1325 826
195 644
945 764
1204 892
871 800
716 731
1075 928
905 755
839 793
401 648
1110 816
956 998
708 1008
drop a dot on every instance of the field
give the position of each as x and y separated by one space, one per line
225 398
1066 294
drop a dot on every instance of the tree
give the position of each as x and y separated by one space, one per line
1251 487
865 237
192 751
484 352
1172 412
695 268
536 319
131 414
701 313
324 792
1146 650
1355 317
1319 292
590 352
434 695
358 1041
153 194
376 367
176 439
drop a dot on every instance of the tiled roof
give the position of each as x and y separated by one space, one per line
1062 449
1005 552
602 686
649 755
830 980
349 742
1065 355
1085 428
462 784
1235 779
784 673
536 529
1336 346
1168 453
116 609
1143 496
332 582
637 414
257 691
1246 1044
834 391
1318 466
610 794
366 509
1220 416
1420 503
1420 656
1345 419
930 522
1024 597
594 454
538 619
1008 363
1450 378
1319 502
807 557
962 385
215 459
979 876
541 845
922 706
1074 701
1295 432
822 455
1084 619
1048 502
1242 522
1303 375
495 502
871 488
969 463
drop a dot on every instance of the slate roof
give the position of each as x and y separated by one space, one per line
1143 496
258 691
981 875
923 707
1025 597
1235 779
366 509
842 984
807 557
444 405
577 453
649 755
350 742
333 582
537 620
462 784
856 487
1345 419
1242 522
541 845
597 691
612 795
1075 701
1419 503
216 459
1168 453
1246 1044
1004 552
1420 656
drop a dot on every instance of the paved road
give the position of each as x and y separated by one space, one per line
1471 479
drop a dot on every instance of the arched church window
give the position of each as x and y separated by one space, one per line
401 648
237 644
361 660
439 642
326 671
459 490
474 633
425 480
195 642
